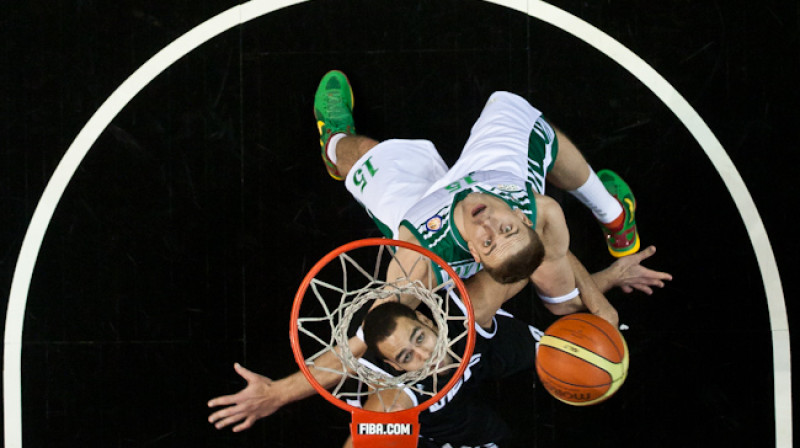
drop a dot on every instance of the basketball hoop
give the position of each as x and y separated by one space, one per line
345 289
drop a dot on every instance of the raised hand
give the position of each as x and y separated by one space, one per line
260 398
628 274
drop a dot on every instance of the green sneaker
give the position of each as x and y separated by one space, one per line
333 109
626 240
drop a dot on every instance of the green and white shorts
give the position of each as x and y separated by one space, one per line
510 136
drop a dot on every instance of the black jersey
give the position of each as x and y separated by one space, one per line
460 419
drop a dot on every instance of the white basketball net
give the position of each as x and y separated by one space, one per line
338 320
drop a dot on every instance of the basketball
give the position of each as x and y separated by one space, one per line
582 359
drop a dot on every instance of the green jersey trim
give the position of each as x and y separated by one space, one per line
422 242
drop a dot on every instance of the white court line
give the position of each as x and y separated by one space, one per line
245 12
31 244
781 352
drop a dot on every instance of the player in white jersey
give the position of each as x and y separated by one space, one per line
489 210
487 216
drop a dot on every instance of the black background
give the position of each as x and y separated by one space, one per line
183 235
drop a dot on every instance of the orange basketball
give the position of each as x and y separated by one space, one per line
582 359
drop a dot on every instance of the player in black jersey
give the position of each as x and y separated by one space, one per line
401 339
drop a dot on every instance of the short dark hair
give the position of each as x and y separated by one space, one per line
381 322
520 265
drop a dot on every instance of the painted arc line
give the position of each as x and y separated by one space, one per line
781 351
255 8
31 244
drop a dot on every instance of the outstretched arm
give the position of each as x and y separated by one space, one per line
262 397
628 274
591 295
590 299
561 272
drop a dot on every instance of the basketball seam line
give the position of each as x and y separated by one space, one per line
615 370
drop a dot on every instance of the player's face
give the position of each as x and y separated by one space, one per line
492 229
410 345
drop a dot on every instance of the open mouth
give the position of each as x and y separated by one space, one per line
477 210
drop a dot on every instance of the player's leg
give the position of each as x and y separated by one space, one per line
344 150
570 170
333 109
512 136
498 140
604 193
387 177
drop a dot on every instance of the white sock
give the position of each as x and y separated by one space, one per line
594 195
330 148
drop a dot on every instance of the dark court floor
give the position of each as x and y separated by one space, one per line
180 240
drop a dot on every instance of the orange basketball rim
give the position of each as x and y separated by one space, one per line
382 429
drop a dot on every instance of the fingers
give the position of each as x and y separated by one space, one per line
244 373
645 285
613 320
220 416
230 421
247 424
646 253
654 275
224 400
634 276
240 407
250 376
658 279
639 273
